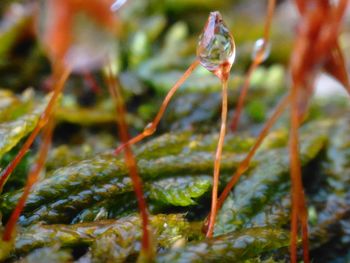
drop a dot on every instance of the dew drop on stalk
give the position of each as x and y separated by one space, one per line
216 46
261 50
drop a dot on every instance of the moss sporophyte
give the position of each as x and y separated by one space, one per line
78 37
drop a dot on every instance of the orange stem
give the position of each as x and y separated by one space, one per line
298 198
256 62
270 10
242 96
32 178
294 230
218 159
304 229
151 127
244 165
45 116
114 88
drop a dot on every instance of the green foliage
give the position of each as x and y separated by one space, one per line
232 247
21 122
180 191
266 183
125 231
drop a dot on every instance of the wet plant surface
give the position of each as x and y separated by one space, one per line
83 207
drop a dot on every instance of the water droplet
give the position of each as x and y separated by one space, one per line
148 126
261 51
117 4
149 129
216 45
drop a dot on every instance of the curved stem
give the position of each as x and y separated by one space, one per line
244 165
114 89
218 159
45 116
242 96
270 10
152 126
256 62
32 178
298 198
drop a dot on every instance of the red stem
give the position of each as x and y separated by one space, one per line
152 126
114 89
218 159
32 178
244 165
259 58
45 116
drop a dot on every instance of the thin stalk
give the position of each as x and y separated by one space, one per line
270 10
242 96
218 159
256 62
294 230
298 198
152 126
32 179
44 118
244 165
114 89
